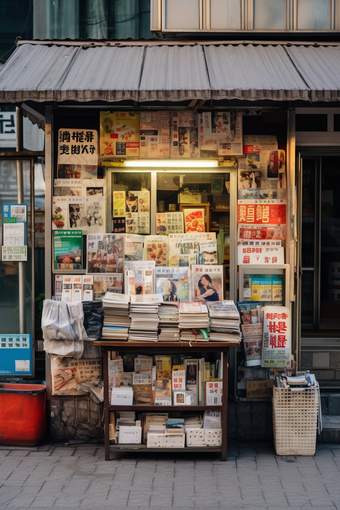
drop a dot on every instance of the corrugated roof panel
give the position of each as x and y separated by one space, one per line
33 72
320 68
103 73
253 73
71 73
174 73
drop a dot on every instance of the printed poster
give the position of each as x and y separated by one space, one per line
261 232
77 147
261 213
184 135
276 350
194 219
155 135
14 232
221 134
119 134
260 254
69 373
105 253
169 223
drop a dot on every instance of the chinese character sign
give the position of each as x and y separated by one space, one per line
77 147
276 350
261 213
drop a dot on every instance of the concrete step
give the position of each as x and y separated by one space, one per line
330 429
330 404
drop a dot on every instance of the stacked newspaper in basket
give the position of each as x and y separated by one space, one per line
224 321
144 317
193 321
168 322
116 316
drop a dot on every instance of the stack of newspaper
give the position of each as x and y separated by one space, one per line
144 317
116 316
168 322
224 321
193 321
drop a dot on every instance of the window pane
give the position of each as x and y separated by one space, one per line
226 15
181 15
314 14
270 14
308 214
310 122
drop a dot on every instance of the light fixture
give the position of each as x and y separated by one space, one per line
171 163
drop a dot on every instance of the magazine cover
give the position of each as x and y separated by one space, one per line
87 213
208 253
139 277
105 253
68 188
103 283
172 283
67 250
206 283
134 247
250 313
156 248
60 213
184 248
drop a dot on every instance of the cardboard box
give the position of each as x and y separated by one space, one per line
259 389
122 396
130 435
189 198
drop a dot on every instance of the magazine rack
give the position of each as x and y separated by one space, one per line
165 348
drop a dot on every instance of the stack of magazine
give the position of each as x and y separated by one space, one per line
116 316
168 322
144 317
193 321
224 321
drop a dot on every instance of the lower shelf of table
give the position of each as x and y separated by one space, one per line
144 448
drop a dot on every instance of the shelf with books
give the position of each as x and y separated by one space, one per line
187 350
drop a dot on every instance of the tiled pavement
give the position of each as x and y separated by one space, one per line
63 477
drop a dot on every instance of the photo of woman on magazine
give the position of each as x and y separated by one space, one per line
204 290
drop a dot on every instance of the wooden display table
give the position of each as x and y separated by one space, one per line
152 348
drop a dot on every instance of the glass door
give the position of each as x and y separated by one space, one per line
320 244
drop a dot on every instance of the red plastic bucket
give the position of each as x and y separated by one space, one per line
22 414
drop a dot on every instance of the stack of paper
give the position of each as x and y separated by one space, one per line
193 315
224 321
168 322
116 316
144 317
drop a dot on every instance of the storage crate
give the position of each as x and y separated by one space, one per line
204 437
165 440
295 417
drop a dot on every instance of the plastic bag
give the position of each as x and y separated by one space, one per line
63 328
93 319
55 321
66 348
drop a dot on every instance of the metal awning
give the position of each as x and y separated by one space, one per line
50 71
253 73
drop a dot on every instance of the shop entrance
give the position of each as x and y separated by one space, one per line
320 245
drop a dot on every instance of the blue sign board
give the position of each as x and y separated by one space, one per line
16 355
